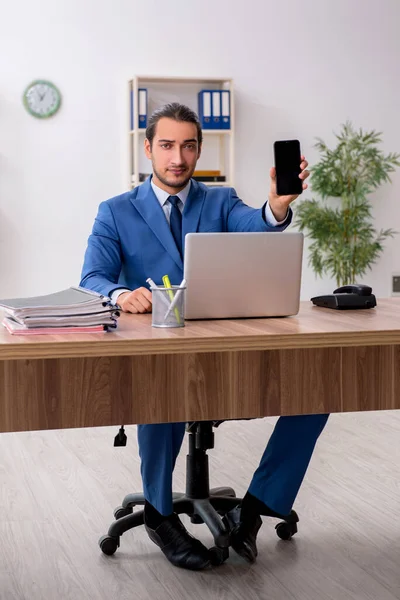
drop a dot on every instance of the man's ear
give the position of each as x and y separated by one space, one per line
199 151
147 148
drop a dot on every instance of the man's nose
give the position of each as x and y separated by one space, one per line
177 157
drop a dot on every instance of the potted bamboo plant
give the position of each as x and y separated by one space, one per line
344 243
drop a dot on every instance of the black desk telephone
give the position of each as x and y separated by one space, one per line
347 297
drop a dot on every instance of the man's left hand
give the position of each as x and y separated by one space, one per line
280 204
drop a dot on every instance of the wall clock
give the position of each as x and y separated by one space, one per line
42 99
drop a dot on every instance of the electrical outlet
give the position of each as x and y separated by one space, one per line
395 285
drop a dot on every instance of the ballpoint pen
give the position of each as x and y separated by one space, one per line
153 286
167 284
175 300
151 283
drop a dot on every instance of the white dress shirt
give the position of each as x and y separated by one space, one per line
162 196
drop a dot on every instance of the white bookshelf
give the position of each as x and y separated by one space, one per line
218 144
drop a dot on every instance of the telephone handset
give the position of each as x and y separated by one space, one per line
346 297
357 288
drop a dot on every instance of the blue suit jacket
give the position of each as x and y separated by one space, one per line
131 239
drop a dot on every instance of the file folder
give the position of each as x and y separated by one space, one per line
16 329
142 106
225 109
73 308
216 110
204 98
131 111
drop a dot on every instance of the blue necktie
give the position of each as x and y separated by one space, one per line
176 222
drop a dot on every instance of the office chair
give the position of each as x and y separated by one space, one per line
214 507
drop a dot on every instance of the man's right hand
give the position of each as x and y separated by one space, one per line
138 301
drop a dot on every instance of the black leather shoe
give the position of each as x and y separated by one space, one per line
180 548
244 535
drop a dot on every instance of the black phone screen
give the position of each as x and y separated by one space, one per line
287 164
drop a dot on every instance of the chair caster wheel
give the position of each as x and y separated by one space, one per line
293 517
120 512
285 531
108 545
218 555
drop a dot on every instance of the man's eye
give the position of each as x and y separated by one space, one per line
165 145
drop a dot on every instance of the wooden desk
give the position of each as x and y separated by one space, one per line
319 361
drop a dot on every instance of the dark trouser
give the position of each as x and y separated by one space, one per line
276 482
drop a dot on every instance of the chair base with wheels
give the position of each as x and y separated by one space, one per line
200 503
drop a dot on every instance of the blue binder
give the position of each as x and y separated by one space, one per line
225 109
142 106
216 109
131 112
205 114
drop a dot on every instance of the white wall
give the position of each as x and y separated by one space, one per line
300 69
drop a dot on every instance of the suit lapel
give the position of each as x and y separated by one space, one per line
149 208
192 210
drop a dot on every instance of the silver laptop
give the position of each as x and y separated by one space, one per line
234 275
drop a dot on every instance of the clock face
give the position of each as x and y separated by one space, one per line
42 99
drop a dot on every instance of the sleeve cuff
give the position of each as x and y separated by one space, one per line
270 219
116 293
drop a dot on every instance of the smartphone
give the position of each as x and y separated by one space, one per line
287 164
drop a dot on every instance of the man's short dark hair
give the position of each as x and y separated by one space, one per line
176 111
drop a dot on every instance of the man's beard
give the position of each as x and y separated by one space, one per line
175 184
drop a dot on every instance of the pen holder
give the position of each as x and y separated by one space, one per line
168 306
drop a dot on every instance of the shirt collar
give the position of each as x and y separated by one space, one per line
162 196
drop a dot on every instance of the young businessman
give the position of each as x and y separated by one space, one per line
140 234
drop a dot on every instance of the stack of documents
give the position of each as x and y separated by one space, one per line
74 310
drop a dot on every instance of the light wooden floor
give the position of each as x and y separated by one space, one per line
58 491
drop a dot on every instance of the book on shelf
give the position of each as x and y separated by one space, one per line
206 178
71 309
207 173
